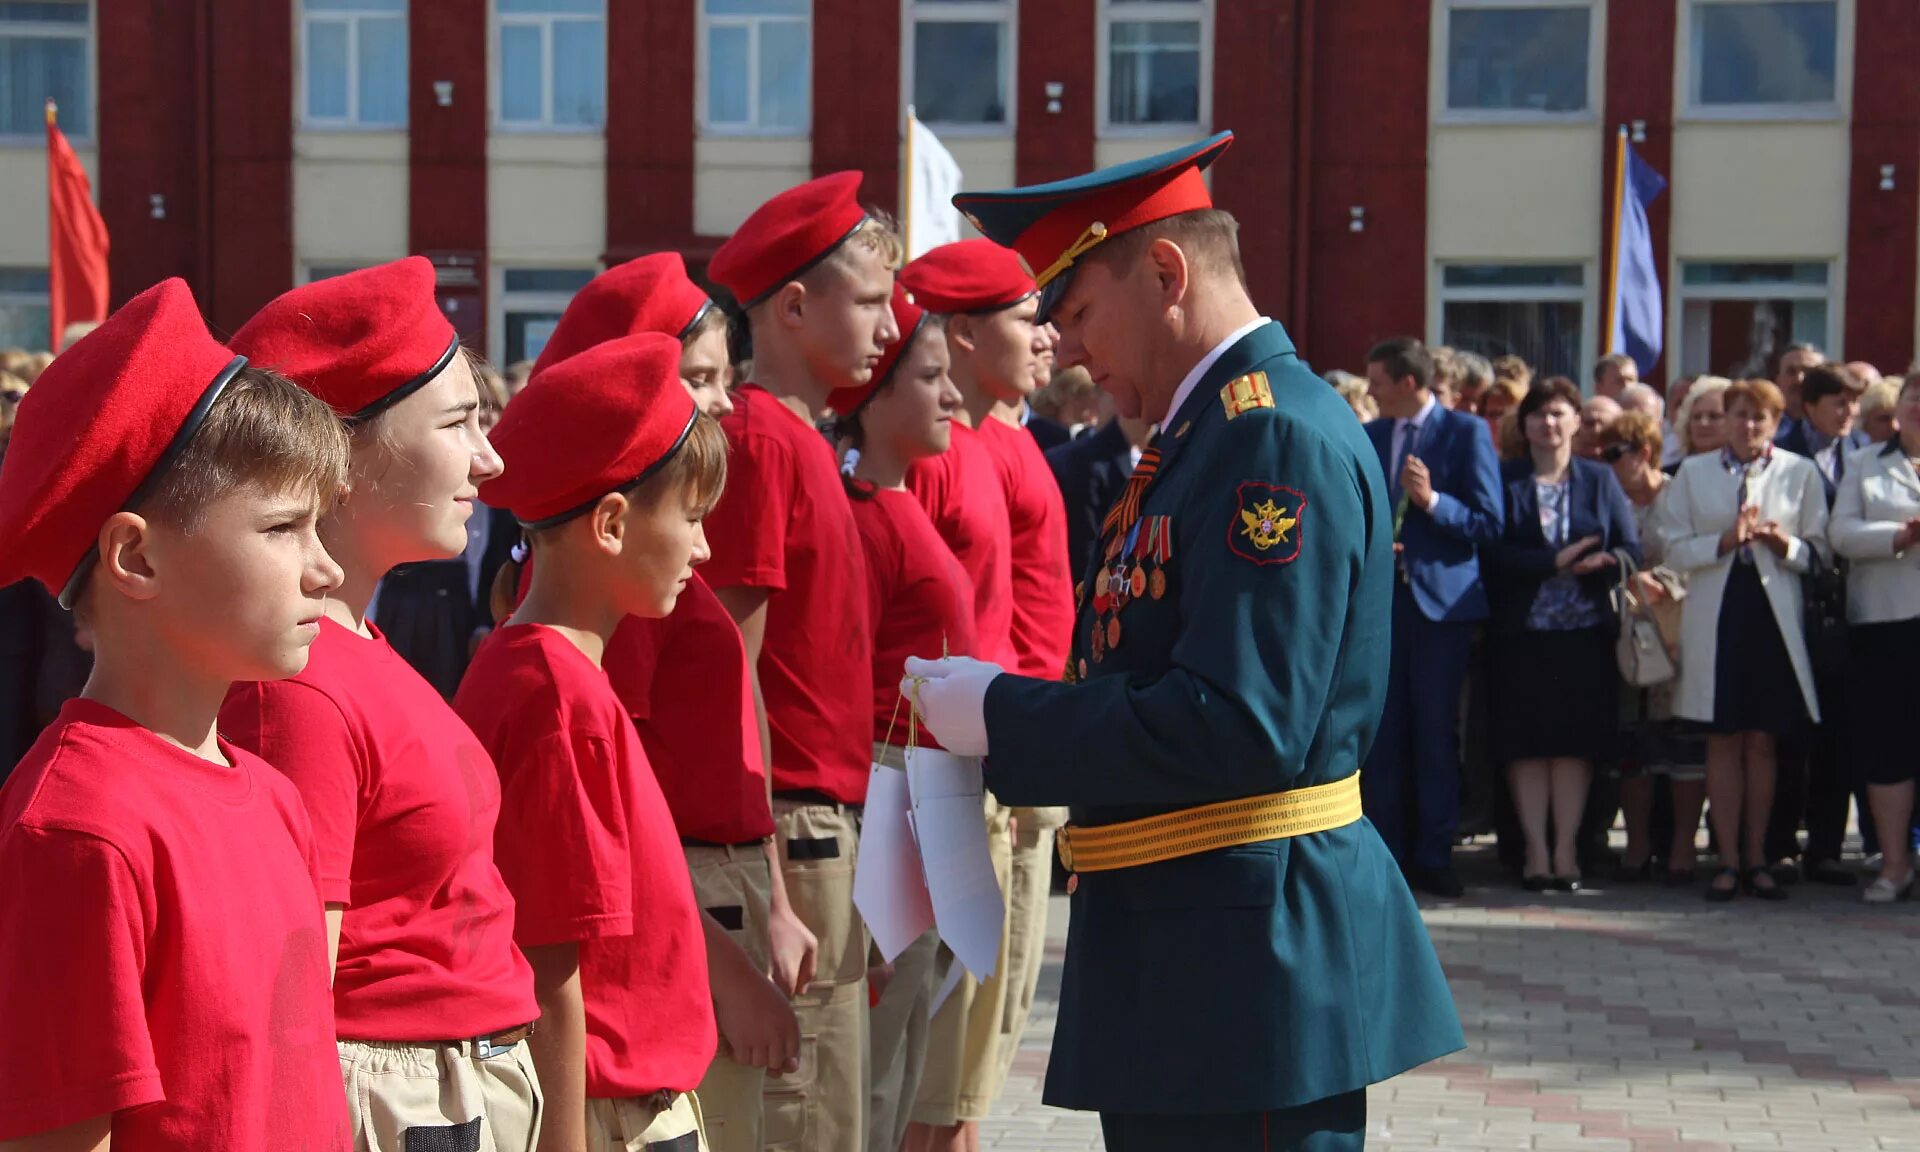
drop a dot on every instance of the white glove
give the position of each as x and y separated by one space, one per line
950 694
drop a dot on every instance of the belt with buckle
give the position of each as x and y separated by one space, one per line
1228 824
487 1047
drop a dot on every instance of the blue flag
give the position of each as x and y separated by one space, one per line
1639 314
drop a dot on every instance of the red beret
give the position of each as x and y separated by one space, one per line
99 426
910 317
788 235
968 276
651 294
362 342
595 423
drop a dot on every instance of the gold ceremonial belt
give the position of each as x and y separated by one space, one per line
1228 824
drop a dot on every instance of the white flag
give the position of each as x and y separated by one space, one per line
932 180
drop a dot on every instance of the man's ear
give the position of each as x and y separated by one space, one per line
126 560
1171 272
607 523
960 332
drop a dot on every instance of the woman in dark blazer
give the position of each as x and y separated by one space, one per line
1555 700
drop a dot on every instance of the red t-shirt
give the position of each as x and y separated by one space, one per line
784 525
163 956
921 599
967 502
1042 572
589 849
697 721
403 801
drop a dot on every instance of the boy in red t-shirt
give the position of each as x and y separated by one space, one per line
687 686
161 940
998 356
813 273
610 469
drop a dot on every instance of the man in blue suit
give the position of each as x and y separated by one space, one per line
1444 486
1091 472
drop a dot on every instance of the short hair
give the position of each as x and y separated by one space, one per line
1546 392
1066 386
1639 393
1702 387
1507 388
1637 429
1804 346
1617 362
1404 356
1824 380
711 319
71 334
1210 238
1883 394
698 469
517 374
1475 368
1446 365
1511 367
18 361
876 233
263 430
1762 394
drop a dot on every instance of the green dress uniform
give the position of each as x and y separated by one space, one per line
1231 642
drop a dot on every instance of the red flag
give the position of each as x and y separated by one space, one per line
77 238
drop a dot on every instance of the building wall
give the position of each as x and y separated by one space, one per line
349 199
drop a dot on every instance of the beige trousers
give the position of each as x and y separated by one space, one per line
963 1039
734 886
823 1106
898 1033
636 1125
456 1099
1028 892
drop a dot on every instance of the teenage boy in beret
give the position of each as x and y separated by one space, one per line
812 272
161 938
610 469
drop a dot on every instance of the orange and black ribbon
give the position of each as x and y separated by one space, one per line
1126 511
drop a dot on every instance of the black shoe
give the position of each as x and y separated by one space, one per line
1723 895
1624 873
1750 881
1833 873
1786 873
1538 883
1437 882
1566 883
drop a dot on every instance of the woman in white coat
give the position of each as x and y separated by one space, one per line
1876 525
1742 523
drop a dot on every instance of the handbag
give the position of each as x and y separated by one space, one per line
1824 591
1641 651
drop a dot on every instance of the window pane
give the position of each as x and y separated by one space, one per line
1699 275
579 72
1544 334
1531 59
520 79
1513 276
399 6
759 8
576 7
960 72
727 75
785 74
1773 53
528 333
326 69
563 280
33 68
1154 72
45 12
383 71
24 324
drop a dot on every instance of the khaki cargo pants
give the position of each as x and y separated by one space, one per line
664 1122
446 1096
1029 890
733 886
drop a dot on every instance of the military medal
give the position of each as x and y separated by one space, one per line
1159 550
1137 584
1100 582
1099 643
1083 667
1113 632
1157 583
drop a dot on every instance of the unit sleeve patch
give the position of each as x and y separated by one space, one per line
1268 522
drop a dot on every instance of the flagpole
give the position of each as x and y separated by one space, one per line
53 263
906 188
1610 300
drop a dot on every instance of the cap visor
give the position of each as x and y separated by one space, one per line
1052 294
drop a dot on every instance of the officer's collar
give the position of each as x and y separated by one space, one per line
1236 356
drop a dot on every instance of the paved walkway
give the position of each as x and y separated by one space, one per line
1629 1018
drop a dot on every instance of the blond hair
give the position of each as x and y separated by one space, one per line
876 234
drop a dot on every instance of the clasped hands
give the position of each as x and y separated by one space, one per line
1748 528
950 697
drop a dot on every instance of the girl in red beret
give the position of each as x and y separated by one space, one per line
921 600
610 470
432 999
163 963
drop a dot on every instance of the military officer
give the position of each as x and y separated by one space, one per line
1243 957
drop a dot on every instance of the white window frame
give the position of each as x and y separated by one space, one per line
1004 12
49 30
702 67
1584 294
351 122
1685 294
1142 11
500 301
1445 113
1689 60
496 75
